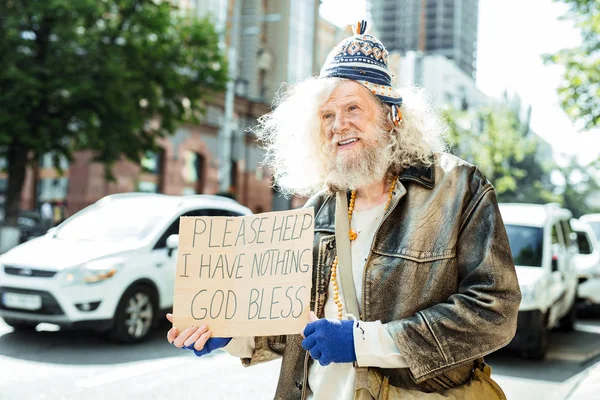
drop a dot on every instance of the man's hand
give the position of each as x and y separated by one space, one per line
197 339
329 340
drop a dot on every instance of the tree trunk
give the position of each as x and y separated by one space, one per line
17 166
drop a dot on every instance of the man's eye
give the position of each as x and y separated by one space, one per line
327 116
352 108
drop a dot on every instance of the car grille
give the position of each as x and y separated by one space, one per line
49 304
28 272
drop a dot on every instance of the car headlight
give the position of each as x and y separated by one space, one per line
93 272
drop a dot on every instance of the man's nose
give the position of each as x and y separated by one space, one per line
340 125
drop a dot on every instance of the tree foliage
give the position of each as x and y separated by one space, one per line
496 140
579 185
579 92
112 76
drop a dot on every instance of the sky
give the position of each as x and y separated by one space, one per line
512 37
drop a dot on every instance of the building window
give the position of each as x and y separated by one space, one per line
151 174
52 185
193 173
234 176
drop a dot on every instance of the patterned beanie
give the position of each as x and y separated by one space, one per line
362 58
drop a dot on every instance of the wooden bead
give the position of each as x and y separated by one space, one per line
352 235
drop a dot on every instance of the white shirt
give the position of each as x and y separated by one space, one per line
373 344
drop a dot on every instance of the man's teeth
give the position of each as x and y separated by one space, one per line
347 141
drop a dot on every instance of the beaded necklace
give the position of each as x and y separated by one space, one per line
353 235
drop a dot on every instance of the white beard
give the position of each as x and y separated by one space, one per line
364 166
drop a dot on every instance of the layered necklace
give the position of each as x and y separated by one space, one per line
353 235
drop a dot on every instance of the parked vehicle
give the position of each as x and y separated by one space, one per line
587 263
30 225
108 267
542 246
593 220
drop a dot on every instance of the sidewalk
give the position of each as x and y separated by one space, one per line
588 387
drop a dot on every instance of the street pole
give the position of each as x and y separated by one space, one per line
225 133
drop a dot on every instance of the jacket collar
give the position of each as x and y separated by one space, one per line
424 176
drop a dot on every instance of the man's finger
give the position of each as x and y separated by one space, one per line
309 329
202 330
184 336
170 317
172 334
199 345
309 343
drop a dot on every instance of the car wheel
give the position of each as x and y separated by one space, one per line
135 315
20 325
541 342
567 323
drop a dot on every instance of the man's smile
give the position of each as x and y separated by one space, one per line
347 143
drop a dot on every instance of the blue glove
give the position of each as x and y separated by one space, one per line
330 340
210 345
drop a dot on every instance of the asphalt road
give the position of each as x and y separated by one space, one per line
57 365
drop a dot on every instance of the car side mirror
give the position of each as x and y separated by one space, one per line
172 243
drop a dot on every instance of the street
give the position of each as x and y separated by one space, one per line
57 365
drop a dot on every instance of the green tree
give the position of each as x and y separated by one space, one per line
496 140
112 76
580 183
535 186
579 92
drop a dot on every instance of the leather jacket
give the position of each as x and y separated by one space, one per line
440 274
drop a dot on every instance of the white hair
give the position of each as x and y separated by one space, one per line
291 135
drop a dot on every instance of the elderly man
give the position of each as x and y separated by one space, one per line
413 280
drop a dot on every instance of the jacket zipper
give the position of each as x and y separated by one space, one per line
372 246
305 378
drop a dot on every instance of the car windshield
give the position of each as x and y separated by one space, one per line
125 220
595 227
526 245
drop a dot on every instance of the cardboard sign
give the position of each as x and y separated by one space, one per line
245 276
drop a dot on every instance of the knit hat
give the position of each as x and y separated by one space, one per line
362 58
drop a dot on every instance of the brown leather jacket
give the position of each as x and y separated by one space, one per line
440 274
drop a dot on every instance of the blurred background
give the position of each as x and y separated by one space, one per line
102 97
121 96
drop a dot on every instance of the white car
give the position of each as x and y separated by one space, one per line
107 268
542 246
593 220
587 263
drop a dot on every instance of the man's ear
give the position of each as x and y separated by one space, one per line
386 115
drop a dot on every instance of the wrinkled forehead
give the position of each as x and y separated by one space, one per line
349 91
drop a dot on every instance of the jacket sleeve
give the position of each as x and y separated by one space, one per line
482 316
266 348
